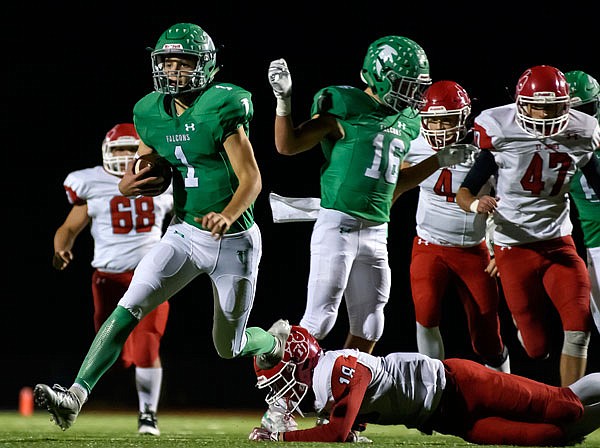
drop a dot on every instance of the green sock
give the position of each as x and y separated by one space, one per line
258 342
106 347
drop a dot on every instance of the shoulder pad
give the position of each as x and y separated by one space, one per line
232 103
340 101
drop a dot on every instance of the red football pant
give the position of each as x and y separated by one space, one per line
434 267
490 407
142 347
530 273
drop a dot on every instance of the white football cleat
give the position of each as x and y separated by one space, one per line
62 404
281 330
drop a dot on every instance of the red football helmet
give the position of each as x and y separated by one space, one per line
291 378
445 101
542 98
121 136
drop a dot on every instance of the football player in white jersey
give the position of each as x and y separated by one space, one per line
450 245
123 230
455 396
534 147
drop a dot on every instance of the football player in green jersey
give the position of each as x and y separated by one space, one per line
584 91
201 127
364 135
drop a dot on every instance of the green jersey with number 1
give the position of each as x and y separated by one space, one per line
203 179
361 169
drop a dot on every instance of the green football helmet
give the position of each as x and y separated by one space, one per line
188 41
397 70
584 91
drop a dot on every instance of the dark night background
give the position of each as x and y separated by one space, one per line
74 72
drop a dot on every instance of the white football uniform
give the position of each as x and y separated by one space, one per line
405 388
533 173
456 397
439 218
123 229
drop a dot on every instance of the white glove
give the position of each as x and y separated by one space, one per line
263 434
280 78
281 83
455 154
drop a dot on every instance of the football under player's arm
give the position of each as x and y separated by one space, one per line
466 196
132 185
66 234
591 171
342 415
241 155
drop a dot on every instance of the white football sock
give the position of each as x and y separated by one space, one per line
148 382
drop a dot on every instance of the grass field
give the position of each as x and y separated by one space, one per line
95 429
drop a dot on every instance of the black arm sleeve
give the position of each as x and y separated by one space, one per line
591 171
484 167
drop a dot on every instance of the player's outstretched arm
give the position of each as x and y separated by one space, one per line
290 140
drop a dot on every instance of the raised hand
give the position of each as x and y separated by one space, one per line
280 79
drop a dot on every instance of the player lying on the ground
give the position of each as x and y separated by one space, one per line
455 396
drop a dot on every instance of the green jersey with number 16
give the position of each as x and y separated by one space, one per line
203 179
361 168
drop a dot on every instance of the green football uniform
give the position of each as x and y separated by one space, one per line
588 207
203 179
361 168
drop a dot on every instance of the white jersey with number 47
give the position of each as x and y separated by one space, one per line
534 174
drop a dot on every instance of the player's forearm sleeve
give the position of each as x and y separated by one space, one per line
484 167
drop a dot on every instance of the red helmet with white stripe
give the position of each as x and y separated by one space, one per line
543 102
122 136
447 106
291 378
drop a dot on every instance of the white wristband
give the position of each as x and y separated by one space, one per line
284 106
473 206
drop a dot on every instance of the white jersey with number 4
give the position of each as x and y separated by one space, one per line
439 218
534 173
123 229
